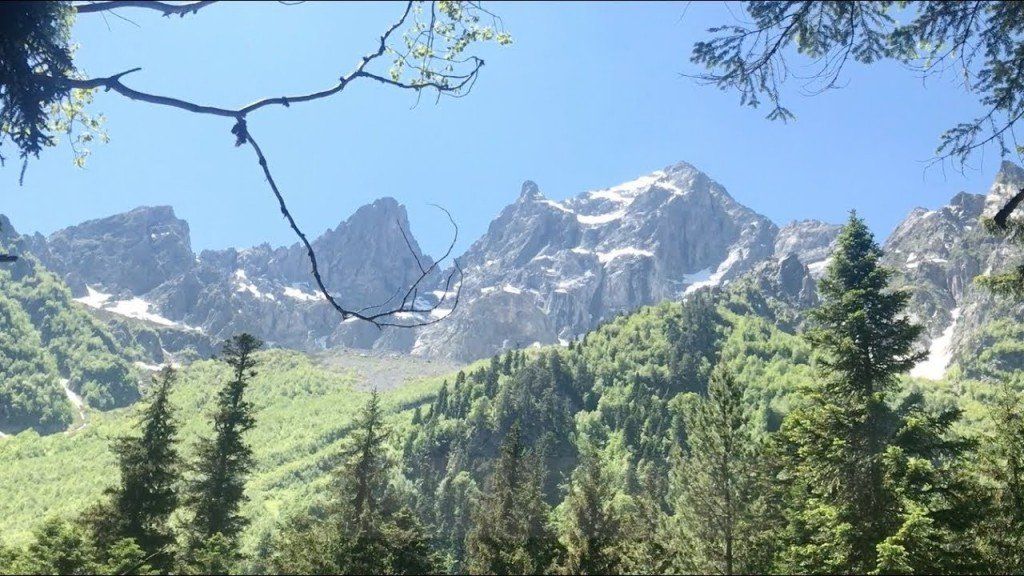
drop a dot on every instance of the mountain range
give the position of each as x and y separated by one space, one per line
545 272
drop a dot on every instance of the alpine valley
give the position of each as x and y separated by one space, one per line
609 282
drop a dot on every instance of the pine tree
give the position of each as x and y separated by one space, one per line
141 506
694 343
715 511
874 488
510 533
218 489
453 505
645 547
1005 465
364 477
493 372
369 528
592 530
57 547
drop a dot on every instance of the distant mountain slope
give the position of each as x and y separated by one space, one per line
544 272
938 254
51 350
549 271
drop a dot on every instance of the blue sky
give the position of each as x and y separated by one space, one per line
589 95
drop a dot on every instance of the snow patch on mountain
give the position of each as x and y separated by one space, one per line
93 298
606 257
600 219
939 353
297 294
139 309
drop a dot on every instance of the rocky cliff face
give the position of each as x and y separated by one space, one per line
140 265
937 255
549 271
133 252
545 272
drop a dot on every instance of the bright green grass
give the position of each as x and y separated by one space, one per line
303 410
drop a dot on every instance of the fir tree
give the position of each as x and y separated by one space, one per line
510 533
873 487
493 372
57 547
141 506
1005 465
218 489
592 529
715 511
694 343
364 477
452 508
369 528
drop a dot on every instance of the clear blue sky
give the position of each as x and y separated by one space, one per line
588 96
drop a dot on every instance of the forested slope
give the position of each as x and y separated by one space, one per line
48 338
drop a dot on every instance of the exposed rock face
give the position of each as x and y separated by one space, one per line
545 271
556 269
134 252
937 255
809 240
140 265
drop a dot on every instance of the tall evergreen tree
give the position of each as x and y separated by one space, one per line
715 509
693 339
224 460
57 547
141 506
369 527
872 485
1004 532
592 528
453 505
364 477
510 533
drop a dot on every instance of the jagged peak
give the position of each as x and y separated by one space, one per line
140 215
1010 171
680 167
530 191
968 204
6 228
806 222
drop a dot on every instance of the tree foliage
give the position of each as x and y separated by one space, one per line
981 41
224 460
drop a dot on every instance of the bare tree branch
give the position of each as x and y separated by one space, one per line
166 8
446 81
1004 212
379 319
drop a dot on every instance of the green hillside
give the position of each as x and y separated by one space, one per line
303 411
48 338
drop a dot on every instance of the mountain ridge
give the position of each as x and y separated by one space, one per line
545 271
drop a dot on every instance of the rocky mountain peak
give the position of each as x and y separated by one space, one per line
7 231
1009 181
1010 171
529 191
135 251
